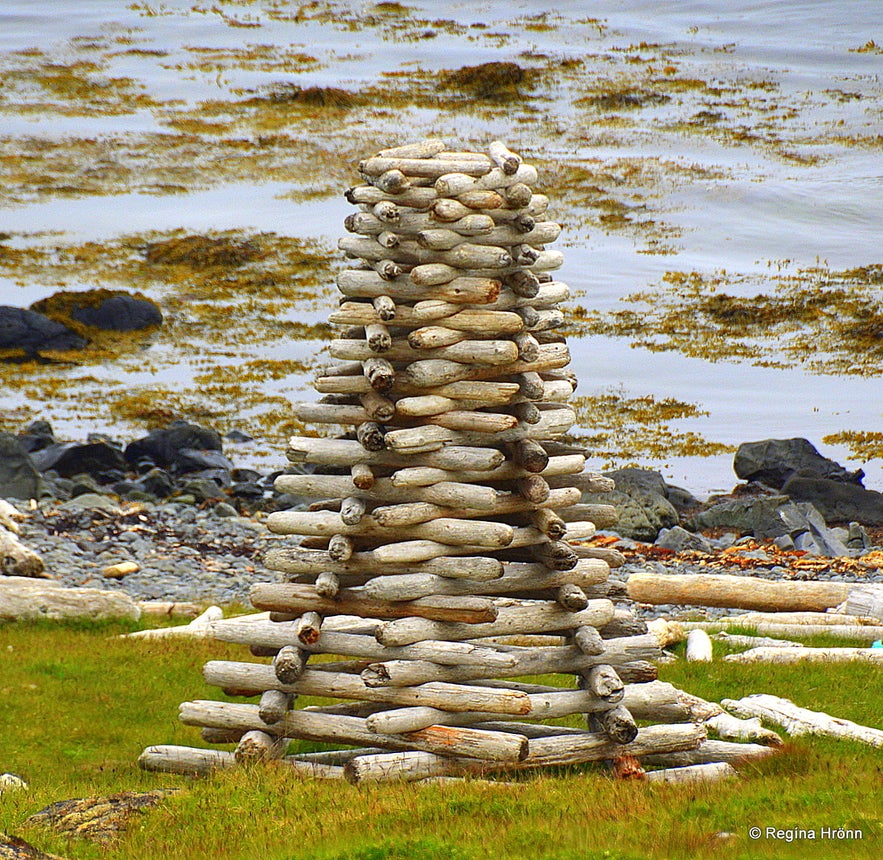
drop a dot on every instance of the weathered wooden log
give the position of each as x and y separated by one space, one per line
340 547
754 641
571 597
480 352
256 745
516 577
735 591
23 597
588 639
618 724
790 656
458 532
424 167
289 662
421 149
445 696
475 744
711 751
708 772
504 158
274 704
731 728
296 560
166 758
543 752
513 617
294 598
865 601
16 559
699 647
800 721
603 681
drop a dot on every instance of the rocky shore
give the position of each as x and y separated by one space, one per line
170 517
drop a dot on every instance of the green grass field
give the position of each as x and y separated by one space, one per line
78 705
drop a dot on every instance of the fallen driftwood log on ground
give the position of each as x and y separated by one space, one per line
708 772
738 592
199 628
790 656
862 633
16 559
800 721
26 598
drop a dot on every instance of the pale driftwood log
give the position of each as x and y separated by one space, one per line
418 476
368 284
449 493
731 728
754 641
479 352
472 743
258 677
198 628
414 513
735 591
327 584
25 598
446 530
790 656
800 721
859 633
865 601
10 517
295 599
699 647
513 617
588 639
308 627
257 745
297 560
543 752
811 619
421 149
376 406
711 751
603 681
18 560
343 452
274 705
516 577
279 635
413 198
425 167
617 723
166 758
709 772
290 661
478 320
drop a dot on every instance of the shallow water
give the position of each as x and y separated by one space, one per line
753 148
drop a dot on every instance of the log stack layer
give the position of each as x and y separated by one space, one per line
436 561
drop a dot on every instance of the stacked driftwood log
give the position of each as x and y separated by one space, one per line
437 562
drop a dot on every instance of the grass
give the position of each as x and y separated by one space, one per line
80 705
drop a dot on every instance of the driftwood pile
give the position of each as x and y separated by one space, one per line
438 563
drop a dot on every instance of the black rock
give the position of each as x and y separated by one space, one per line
774 461
19 477
119 313
158 483
195 460
247 490
34 333
202 489
37 435
648 480
679 540
238 436
245 475
163 447
837 501
102 461
220 476
642 508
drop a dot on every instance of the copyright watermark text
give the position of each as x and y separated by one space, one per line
798 834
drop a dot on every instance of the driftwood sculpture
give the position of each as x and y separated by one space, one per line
440 559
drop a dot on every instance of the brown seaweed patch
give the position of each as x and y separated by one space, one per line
494 81
825 321
622 428
201 252
332 97
864 445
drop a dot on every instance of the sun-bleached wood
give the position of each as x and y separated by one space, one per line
800 721
735 591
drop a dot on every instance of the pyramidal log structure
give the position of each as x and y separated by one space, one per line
441 559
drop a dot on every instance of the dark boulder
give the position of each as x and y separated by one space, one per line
158 483
19 477
33 333
37 435
119 313
837 501
197 460
642 508
171 447
101 460
774 461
